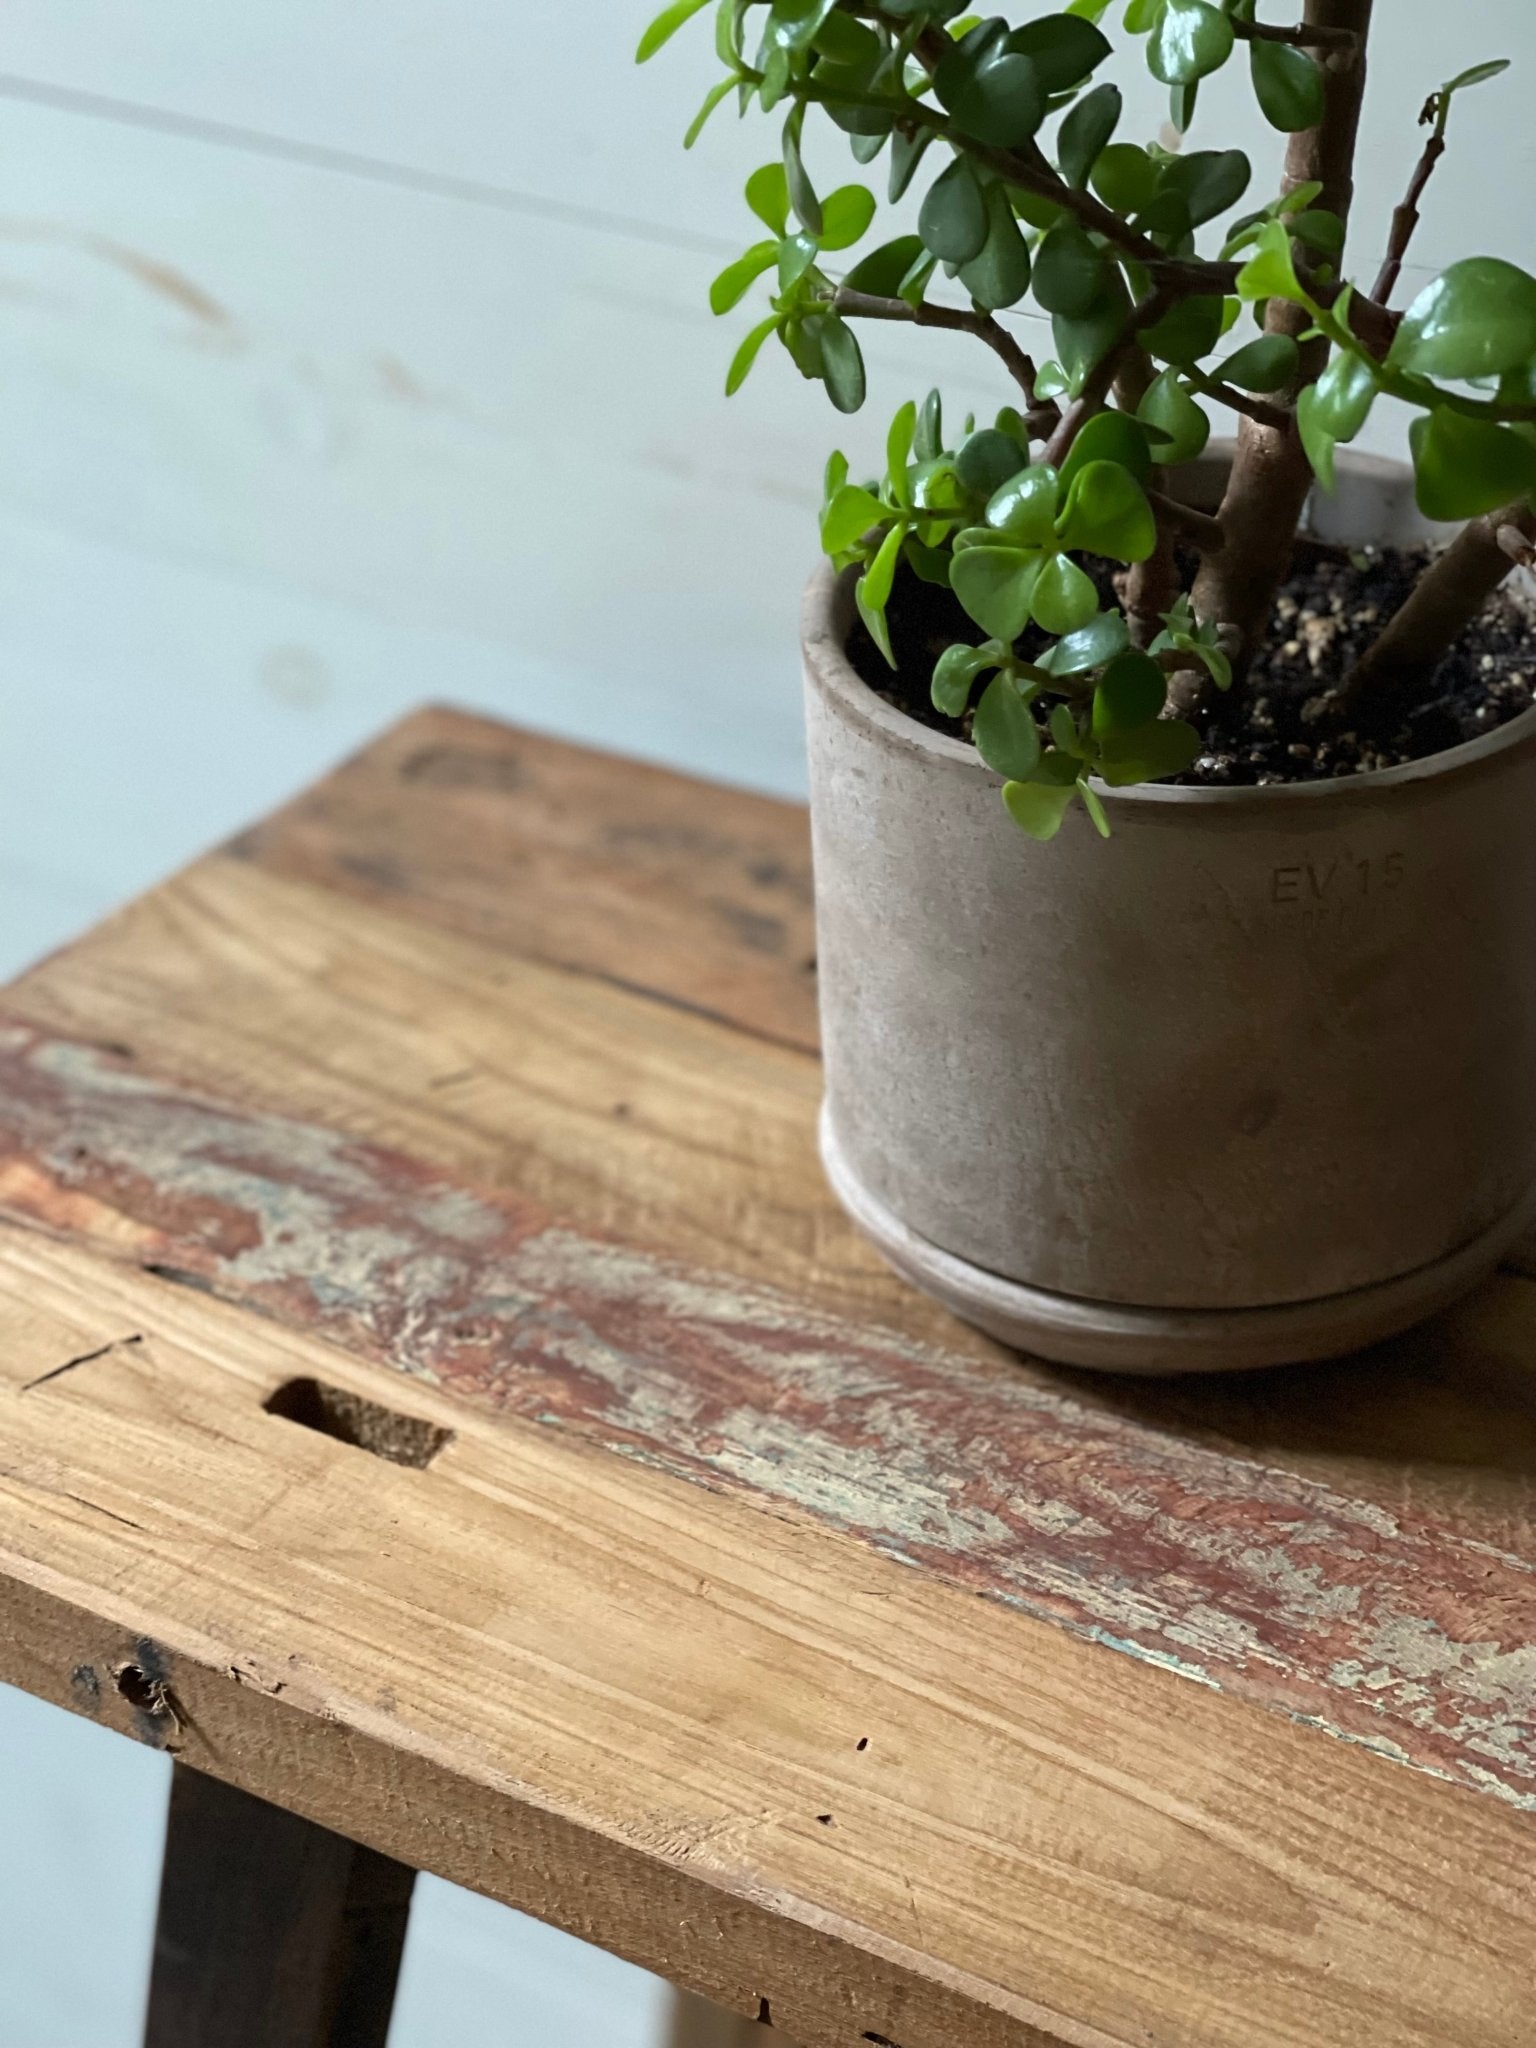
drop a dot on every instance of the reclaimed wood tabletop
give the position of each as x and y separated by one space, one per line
442 1399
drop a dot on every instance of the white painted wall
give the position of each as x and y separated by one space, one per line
352 355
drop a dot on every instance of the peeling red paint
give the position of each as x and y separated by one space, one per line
1400 1632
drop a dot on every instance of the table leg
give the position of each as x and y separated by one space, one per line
272 1932
695 2023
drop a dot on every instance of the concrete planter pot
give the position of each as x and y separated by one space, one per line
1248 1084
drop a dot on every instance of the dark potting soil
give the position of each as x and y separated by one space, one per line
1327 615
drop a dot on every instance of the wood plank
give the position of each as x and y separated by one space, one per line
670 1132
271 1930
690 893
630 1705
1390 1630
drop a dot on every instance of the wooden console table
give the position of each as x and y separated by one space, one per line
444 1409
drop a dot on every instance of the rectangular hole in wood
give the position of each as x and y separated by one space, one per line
350 1419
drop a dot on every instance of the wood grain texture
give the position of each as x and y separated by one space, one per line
270 1930
665 1129
683 891
722 1495
728 1743
1389 1629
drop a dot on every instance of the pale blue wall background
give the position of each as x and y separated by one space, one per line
352 356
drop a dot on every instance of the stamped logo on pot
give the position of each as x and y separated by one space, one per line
1333 889
1335 880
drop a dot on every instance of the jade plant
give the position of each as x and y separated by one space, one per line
1025 189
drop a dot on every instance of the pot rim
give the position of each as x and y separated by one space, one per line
827 614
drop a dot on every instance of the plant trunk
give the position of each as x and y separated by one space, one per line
1447 597
1271 476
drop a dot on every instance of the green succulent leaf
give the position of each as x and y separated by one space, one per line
845 216
873 590
986 460
1109 437
1288 86
881 271
1039 805
666 25
1168 407
996 586
1107 512
1476 74
796 254
953 220
1063 48
849 516
1464 467
1209 181
1476 320
1072 273
1131 693
1086 131
1082 341
915 284
842 364
928 440
907 152
802 193
1004 729
1268 364
1318 442
1186 332
1125 177
1346 391
1064 732
720 90
1165 746
846 41
1270 272
1024 508
1091 646
1097 814
1064 597
1321 231
747 354
738 277
1191 40
768 197
792 24
955 673
898 447
999 276
774 83
993 93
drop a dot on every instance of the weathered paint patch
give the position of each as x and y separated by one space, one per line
1397 1633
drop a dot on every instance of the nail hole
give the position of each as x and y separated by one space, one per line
350 1419
862 1743
140 1690
825 1819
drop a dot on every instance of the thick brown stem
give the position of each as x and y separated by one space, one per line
1270 474
1305 35
1405 219
1447 598
1151 587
